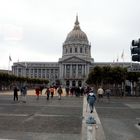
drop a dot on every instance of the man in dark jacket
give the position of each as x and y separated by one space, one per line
91 98
16 93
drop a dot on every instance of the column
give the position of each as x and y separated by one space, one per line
65 70
70 83
41 73
82 70
17 71
60 72
85 69
77 71
71 71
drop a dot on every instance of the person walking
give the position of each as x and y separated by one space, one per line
108 93
16 93
52 91
100 93
47 93
60 91
91 98
24 94
37 91
67 90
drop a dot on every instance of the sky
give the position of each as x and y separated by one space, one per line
34 30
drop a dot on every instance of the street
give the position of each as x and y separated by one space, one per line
120 118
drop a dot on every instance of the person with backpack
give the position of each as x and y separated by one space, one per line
91 98
52 91
47 93
60 91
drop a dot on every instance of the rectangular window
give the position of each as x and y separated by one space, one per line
75 50
70 50
81 51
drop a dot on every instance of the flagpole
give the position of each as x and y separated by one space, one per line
10 59
8 66
122 56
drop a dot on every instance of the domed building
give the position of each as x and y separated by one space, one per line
76 57
72 68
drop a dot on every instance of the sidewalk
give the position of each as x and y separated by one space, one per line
94 131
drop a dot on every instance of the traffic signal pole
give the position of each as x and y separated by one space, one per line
135 50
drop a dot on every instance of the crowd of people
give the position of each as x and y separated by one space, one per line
92 94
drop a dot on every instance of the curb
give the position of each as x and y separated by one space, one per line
94 131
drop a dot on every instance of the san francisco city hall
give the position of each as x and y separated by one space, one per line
73 67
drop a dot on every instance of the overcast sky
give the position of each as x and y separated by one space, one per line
34 30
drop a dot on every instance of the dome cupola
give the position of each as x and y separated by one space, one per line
76 35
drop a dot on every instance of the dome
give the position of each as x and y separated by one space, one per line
76 35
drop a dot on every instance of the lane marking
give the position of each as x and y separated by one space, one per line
16 115
37 115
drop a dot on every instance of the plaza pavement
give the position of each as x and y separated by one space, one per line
44 120
66 119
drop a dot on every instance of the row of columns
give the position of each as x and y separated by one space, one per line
23 72
63 71
73 72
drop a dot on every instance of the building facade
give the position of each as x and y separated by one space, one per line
73 67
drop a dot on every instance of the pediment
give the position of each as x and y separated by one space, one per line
74 59
19 65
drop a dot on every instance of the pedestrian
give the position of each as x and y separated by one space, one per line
16 93
100 93
67 90
37 91
91 98
52 91
108 93
24 94
77 91
41 88
47 93
81 91
72 90
60 92
21 91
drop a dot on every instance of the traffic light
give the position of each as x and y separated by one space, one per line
135 50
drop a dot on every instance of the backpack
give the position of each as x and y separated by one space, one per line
59 90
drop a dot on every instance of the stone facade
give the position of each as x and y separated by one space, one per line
72 68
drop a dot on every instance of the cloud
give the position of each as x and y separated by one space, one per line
36 29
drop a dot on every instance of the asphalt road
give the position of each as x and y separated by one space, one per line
120 118
41 119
